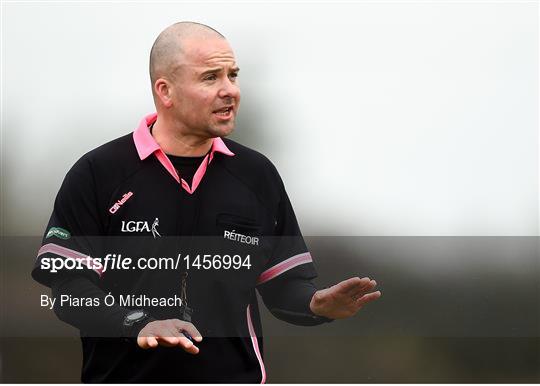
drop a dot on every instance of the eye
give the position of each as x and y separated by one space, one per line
233 75
210 77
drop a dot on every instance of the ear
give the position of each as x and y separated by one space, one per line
163 90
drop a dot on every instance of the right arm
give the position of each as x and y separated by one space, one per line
103 320
70 234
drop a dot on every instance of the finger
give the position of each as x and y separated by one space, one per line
142 341
360 286
346 286
189 328
188 345
146 342
363 290
167 341
168 337
368 298
152 341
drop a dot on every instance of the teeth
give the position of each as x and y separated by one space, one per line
224 112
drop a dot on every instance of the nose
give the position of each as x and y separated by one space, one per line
229 90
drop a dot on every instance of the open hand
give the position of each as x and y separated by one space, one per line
169 333
344 299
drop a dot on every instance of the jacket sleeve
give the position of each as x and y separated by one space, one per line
95 320
72 239
286 283
68 260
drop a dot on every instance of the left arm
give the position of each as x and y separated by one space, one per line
288 299
289 292
297 301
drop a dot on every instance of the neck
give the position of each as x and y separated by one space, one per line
174 139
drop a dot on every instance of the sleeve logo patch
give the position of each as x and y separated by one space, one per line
58 232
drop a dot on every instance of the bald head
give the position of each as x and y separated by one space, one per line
168 47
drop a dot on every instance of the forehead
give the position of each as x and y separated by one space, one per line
199 52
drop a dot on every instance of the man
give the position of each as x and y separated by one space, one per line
176 185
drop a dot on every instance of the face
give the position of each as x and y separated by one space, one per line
204 92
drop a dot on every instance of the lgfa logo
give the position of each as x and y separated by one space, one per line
141 226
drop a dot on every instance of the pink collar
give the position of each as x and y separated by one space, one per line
146 144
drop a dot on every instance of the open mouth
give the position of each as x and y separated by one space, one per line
225 112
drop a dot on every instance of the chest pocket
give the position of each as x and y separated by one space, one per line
240 232
243 235
240 224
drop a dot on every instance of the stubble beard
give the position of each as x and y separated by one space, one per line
227 129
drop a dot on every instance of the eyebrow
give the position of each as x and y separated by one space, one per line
219 69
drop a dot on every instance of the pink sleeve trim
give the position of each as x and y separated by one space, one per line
255 343
71 254
284 266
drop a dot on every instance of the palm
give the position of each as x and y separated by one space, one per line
345 298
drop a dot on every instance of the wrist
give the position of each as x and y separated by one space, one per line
314 304
134 322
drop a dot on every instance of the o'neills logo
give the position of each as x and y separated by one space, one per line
120 202
141 226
